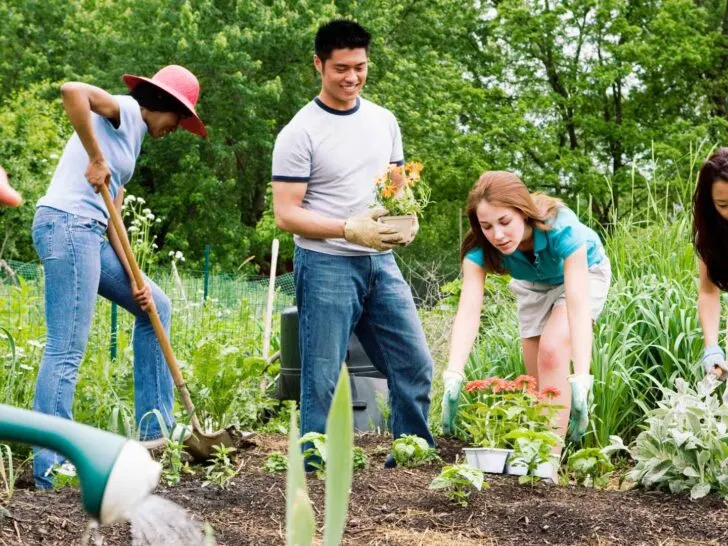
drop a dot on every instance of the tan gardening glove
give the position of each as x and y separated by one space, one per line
363 229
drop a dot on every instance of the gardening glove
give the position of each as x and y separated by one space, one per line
714 357
364 230
581 400
453 383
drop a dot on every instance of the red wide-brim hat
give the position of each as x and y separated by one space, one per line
180 83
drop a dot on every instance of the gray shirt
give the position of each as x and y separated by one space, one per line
338 154
69 190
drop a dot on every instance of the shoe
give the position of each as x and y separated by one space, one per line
389 462
180 434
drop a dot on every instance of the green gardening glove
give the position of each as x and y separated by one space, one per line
453 383
581 401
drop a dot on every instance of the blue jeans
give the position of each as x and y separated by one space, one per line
337 295
78 263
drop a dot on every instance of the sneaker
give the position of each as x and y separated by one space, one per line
154 443
389 462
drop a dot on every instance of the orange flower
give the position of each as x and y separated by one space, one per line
387 191
526 382
551 392
476 385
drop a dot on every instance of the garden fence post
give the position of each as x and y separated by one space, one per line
207 272
114 330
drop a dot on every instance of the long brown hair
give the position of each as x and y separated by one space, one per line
504 189
710 229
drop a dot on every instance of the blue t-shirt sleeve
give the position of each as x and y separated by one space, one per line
475 255
292 156
566 235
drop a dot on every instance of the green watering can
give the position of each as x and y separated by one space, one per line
115 473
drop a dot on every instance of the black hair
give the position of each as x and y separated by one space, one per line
710 229
340 34
153 98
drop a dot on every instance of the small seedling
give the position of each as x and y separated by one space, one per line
221 471
591 467
360 459
315 456
459 480
172 465
411 450
276 462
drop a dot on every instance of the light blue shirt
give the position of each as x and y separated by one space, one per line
550 249
69 190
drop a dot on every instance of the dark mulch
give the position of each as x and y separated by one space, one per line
395 507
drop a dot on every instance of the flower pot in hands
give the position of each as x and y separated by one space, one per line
487 459
406 226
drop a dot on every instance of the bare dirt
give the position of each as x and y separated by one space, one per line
394 507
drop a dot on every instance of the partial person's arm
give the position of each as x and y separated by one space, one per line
79 100
708 307
467 319
362 229
292 217
576 288
713 360
142 296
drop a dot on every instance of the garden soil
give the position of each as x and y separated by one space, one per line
393 507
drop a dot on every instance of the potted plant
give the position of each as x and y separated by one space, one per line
498 407
405 195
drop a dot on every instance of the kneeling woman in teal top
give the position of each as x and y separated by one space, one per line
561 277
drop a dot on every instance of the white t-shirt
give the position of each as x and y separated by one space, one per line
339 154
69 190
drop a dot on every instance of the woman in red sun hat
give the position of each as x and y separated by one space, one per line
82 254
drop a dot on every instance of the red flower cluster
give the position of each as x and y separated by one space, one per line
550 392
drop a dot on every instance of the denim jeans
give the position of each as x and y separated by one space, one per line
78 263
365 294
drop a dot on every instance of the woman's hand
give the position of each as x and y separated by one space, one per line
143 296
98 173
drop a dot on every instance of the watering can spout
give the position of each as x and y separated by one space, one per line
116 473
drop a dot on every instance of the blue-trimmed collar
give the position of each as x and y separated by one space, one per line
338 112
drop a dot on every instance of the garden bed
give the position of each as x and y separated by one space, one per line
395 507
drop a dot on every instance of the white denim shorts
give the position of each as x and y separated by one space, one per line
537 300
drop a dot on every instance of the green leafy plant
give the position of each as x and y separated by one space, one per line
532 448
315 454
590 466
276 462
459 480
64 475
300 523
220 471
497 407
360 461
413 195
172 464
684 446
411 450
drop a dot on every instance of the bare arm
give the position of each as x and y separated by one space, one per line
79 100
708 307
576 288
467 319
291 216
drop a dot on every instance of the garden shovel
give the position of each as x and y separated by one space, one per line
199 444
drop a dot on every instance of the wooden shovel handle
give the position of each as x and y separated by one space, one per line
153 315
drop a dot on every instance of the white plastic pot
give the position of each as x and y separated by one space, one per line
487 459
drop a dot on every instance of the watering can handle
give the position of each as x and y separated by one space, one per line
153 315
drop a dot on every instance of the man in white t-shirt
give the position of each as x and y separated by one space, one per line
324 165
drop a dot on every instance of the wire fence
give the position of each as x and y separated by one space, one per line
202 303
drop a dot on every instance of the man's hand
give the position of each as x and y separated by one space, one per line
453 383
363 229
98 173
143 296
